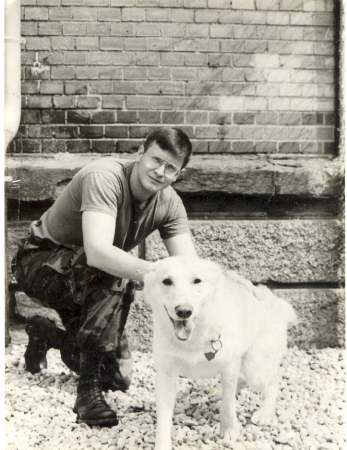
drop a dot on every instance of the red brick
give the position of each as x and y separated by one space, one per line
185 74
91 132
291 33
73 2
243 147
133 15
38 131
53 116
173 117
28 28
197 30
63 43
76 87
137 102
29 146
289 147
172 59
86 14
171 3
35 13
160 44
110 73
60 13
245 32
244 118
195 59
219 4
63 73
49 87
195 3
324 19
100 58
290 118
123 29
163 102
111 43
254 17
149 117
98 29
330 148
40 102
267 90
30 116
173 29
66 132
138 132
269 5
241 4
124 87
230 74
265 147
291 5
252 133
53 146
78 146
172 88
74 29
208 88
232 46
303 18
197 117
219 118
128 146
135 44
311 147
87 43
75 58
182 15
126 116
267 118
221 31
325 133
148 29
78 117
50 29
116 131
219 60
207 132
185 45
208 45
112 101
218 147
30 87
159 73
88 72
158 15
38 43
148 59
210 74
46 2
109 14
277 18
88 102
135 73
104 146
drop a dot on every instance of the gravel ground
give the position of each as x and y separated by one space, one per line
310 408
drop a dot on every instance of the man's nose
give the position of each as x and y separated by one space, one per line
161 169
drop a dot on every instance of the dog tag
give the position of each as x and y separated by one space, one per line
210 355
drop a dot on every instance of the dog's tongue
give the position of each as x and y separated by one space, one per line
183 329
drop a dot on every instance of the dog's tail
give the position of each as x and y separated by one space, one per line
282 307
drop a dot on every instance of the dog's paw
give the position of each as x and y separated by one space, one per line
230 435
262 417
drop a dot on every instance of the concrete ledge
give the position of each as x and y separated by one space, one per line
319 322
44 176
295 251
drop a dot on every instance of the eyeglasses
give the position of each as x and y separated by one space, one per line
155 161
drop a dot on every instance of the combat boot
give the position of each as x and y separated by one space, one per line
43 335
90 406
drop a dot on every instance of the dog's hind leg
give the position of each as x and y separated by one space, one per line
266 411
165 390
229 425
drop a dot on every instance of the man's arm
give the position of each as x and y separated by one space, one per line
181 244
98 235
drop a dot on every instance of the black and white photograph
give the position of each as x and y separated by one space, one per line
173 224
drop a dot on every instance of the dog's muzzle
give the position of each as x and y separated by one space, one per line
183 326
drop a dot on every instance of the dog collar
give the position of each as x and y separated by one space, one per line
216 345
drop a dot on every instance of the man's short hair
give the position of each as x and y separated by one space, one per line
173 140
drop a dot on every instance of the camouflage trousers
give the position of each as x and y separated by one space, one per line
93 305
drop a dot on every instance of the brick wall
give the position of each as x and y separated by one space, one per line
240 76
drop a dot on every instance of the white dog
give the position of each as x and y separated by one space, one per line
208 322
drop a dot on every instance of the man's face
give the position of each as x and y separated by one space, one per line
157 168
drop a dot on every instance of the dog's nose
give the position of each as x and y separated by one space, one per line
183 311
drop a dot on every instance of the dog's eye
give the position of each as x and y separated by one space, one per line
197 280
167 282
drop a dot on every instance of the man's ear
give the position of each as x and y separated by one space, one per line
140 152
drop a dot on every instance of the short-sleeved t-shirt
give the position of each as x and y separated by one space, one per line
103 186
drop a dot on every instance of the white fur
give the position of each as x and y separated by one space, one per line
250 323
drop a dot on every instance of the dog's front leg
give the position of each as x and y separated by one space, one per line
165 390
229 425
